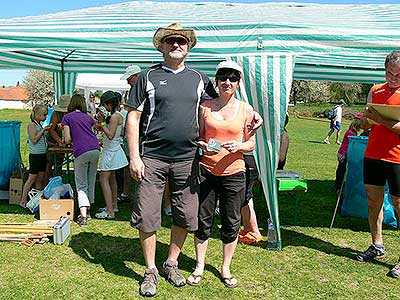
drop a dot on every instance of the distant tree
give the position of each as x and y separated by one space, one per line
309 91
349 91
324 92
40 86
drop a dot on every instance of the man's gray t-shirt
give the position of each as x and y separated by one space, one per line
169 103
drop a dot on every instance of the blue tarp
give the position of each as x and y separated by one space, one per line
355 199
9 150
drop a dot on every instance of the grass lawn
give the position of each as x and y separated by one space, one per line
104 260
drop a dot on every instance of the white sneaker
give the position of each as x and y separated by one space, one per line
104 215
339 143
101 209
326 142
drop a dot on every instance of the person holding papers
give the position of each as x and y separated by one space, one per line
382 158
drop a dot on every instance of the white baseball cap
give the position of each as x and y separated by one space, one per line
228 64
131 70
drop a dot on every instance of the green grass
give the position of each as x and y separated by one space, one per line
104 260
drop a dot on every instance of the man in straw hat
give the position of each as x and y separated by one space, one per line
162 128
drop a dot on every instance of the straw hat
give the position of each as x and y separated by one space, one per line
62 106
131 70
174 29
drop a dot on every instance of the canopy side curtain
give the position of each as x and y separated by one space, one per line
266 86
64 83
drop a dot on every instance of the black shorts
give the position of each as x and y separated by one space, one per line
37 163
377 172
251 176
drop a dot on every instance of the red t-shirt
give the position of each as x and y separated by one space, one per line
383 143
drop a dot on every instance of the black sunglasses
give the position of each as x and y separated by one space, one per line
178 40
231 78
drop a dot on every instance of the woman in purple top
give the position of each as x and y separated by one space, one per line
78 128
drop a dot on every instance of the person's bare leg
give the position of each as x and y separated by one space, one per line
249 218
329 134
83 210
40 181
107 193
114 190
178 236
338 136
227 255
201 249
375 195
396 205
148 240
27 187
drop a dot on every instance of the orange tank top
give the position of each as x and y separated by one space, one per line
224 163
383 143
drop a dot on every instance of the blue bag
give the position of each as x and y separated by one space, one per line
53 182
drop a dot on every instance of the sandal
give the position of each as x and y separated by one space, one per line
122 198
242 233
194 279
229 282
250 238
104 215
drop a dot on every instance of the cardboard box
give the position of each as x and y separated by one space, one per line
54 209
15 191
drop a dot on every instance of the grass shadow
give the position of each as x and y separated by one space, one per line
298 239
112 253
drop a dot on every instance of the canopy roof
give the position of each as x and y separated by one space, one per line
334 42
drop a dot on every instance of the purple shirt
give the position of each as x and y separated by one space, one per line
82 134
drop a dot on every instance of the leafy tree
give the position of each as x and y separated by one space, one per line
310 91
40 86
350 92
324 92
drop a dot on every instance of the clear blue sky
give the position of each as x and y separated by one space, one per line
20 8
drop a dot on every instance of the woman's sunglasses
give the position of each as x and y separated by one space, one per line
231 78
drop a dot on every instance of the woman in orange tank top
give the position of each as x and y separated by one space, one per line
223 139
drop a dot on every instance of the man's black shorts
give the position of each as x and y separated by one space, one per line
377 172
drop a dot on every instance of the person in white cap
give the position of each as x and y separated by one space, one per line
224 137
162 130
131 74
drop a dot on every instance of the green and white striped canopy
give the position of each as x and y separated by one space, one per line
332 42
274 42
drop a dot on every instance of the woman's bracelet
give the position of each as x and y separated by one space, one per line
103 124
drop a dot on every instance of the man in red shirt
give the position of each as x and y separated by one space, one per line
382 158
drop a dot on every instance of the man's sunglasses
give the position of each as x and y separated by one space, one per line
178 40
231 78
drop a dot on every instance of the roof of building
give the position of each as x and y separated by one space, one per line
14 93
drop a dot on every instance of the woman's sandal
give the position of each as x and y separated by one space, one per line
229 282
194 279
250 238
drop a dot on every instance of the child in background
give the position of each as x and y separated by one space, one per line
113 157
354 127
37 151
